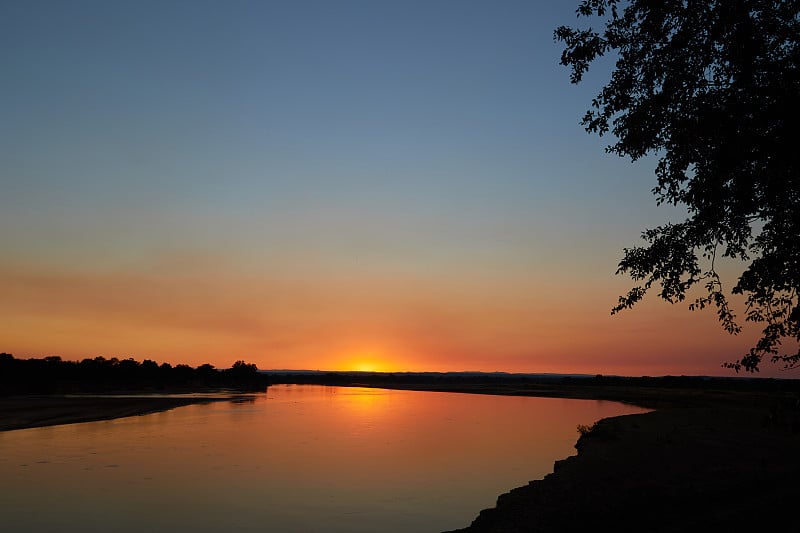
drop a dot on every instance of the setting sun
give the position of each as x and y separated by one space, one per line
367 361
366 366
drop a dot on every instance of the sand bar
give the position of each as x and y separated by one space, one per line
22 412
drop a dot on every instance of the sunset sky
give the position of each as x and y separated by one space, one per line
322 185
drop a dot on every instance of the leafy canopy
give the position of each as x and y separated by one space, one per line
712 89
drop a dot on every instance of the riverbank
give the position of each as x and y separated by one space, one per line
676 469
22 412
652 392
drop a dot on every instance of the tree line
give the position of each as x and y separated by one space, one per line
53 374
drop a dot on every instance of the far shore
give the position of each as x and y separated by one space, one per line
30 411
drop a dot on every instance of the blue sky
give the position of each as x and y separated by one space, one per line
339 148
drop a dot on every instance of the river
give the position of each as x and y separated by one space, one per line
297 458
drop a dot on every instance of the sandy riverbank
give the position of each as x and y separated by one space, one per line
21 412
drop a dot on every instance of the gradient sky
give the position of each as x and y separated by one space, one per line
317 184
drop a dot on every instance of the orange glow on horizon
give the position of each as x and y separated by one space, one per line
367 361
364 325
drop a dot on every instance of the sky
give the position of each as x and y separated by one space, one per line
349 185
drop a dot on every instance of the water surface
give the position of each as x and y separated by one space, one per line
298 458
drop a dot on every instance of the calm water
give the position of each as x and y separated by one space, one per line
298 458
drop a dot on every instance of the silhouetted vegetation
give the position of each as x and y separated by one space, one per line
710 88
54 375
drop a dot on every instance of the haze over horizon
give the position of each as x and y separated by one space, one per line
304 184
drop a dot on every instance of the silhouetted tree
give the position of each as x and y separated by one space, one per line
712 89
207 374
242 368
242 372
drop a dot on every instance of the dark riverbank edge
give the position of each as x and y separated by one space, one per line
670 470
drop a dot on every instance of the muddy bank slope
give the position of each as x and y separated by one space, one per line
680 469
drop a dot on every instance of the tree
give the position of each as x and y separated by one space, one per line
712 89
242 369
